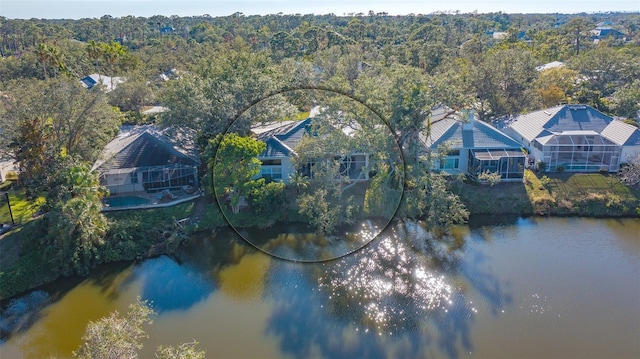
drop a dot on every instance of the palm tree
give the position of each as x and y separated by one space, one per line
299 181
49 56
94 50
112 53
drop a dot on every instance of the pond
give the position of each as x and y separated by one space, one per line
536 287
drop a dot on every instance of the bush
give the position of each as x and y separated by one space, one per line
268 199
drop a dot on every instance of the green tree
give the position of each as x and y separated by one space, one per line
117 337
577 31
75 121
268 199
554 86
626 101
501 80
76 226
444 208
132 95
235 164
30 152
50 57
225 84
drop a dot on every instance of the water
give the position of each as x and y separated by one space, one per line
125 201
541 287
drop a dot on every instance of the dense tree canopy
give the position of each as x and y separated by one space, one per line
209 72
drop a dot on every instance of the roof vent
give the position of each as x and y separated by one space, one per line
547 113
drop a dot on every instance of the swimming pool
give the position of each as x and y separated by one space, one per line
125 201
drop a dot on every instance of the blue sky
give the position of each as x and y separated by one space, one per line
75 9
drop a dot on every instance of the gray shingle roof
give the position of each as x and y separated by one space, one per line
282 138
142 146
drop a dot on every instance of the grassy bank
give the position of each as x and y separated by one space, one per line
132 234
148 233
559 194
21 209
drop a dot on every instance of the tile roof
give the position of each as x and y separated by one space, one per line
622 133
560 119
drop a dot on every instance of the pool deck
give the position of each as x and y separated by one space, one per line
154 202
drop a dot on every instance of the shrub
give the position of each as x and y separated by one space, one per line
268 199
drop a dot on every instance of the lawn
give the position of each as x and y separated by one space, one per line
585 184
21 209
582 194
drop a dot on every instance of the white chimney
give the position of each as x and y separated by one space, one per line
468 117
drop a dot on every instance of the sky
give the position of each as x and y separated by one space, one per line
76 9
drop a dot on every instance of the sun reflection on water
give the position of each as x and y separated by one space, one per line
387 287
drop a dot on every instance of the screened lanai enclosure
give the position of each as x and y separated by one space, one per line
148 166
150 179
509 163
579 151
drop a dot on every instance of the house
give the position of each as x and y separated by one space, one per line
109 83
603 31
170 75
167 30
145 159
550 65
473 146
282 139
575 138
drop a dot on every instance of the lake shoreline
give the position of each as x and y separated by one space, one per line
535 196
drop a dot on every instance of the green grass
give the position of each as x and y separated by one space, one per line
502 198
582 194
584 184
21 209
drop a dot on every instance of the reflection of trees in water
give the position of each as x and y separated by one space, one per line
393 298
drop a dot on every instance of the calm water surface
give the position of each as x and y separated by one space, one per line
559 287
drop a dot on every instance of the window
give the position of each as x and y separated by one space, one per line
276 162
274 172
449 163
134 177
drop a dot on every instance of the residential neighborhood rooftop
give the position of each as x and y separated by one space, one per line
574 120
478 134
110 83
140 146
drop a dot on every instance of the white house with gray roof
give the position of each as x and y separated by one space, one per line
473 146
283 137
109 83
575 138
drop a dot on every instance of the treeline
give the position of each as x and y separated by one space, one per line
216 68
497 52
